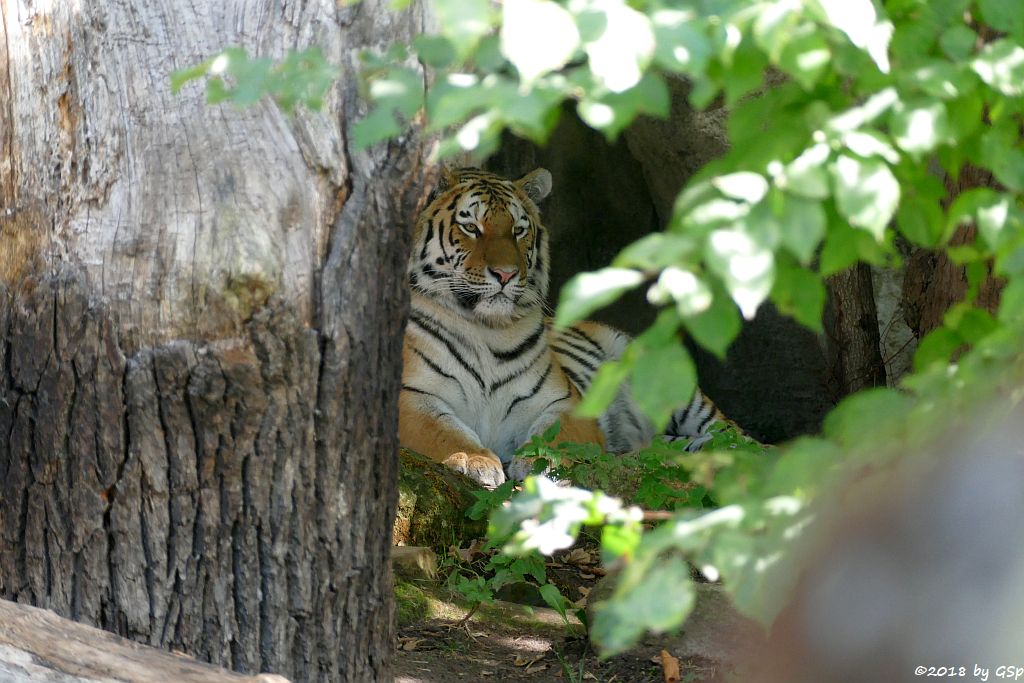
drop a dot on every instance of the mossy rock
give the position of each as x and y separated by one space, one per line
411 603
432 504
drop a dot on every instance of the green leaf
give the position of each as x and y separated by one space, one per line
870 143
587 292
991 211
845 246
920 220
715 328
866 191
865 413
605 386
690 294
1000 151
554 598
1011 303
182 76
802 224
806 58
863 114
958 42
799 293
612 112
663 378
806 175
681 44
618 541
859 21
937 347
537 36
774 27
464 22
434 51
970 323
919 128
619 56
745 266
742 185
1000 64
657 250
1003 15
659 603
551 432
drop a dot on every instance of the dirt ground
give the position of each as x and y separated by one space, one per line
509 641
439 650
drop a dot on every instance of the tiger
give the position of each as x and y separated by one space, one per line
484 368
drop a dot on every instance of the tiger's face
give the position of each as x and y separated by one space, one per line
480 248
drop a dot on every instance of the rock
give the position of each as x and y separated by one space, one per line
432 504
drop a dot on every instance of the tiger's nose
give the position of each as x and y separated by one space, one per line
504 274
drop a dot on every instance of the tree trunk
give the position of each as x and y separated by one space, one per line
851 326
200 355
933 283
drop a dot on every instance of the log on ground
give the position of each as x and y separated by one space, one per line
37 645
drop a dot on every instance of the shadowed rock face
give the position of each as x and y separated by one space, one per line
776 382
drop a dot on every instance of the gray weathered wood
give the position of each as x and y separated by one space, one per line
38 646
201 315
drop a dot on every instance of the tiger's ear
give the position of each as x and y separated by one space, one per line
448 177
536 184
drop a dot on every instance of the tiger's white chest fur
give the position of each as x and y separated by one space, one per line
500 384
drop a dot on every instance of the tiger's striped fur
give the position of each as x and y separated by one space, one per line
484 369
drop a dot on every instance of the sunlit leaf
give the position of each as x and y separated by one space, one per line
465 22
1001 65
742 185
859 21
806 175
866 191
689 293
920 128
537 36
618 57
588 292
746 267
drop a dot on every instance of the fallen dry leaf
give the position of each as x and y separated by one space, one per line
520 660
579 556
410 644
669 667
585 576
584 591
535 668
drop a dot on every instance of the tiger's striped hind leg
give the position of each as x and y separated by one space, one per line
693 421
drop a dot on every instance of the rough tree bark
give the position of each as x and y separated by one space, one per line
933 283
200 336
851 327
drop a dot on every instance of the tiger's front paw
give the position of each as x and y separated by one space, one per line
484 468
